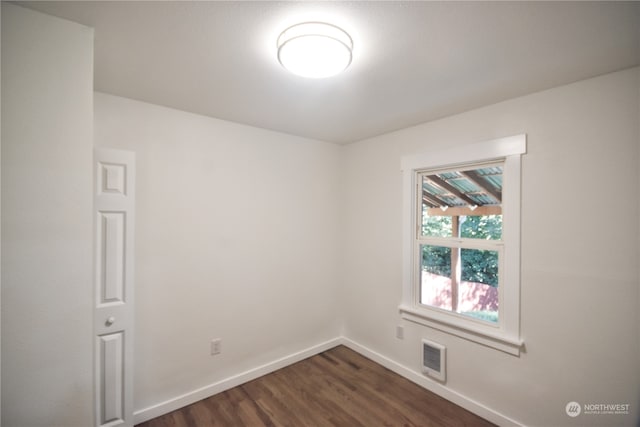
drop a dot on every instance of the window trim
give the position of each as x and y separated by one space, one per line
504 336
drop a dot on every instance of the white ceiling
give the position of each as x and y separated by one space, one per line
413 61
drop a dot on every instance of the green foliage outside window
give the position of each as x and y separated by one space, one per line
436 226
436 260
479 266
486 227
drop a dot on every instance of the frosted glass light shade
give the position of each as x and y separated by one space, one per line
315 49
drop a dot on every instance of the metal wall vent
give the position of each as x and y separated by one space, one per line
434 358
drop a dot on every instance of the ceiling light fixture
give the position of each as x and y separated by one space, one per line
315 49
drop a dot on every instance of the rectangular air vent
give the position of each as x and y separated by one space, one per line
434 358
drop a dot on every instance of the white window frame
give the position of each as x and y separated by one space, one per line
505 335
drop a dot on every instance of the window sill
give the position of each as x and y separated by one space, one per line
499 342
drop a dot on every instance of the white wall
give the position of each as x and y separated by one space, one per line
47 92
236 238
580 249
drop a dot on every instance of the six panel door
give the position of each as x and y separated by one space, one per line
114 203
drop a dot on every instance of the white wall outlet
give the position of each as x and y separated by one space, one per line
216 346
400 332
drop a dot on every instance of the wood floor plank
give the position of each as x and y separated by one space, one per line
336 388
358 394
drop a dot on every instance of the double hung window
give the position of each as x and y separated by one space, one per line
462 227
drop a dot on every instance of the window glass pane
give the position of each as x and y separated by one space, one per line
478 289
435 226
474 196
435 279
474 287
487 227
433 223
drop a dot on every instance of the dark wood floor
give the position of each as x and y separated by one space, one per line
336 388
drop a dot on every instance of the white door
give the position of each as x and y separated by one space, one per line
114 202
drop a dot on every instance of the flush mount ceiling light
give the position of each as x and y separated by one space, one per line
315 49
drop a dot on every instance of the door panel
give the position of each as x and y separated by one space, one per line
112 368
112 259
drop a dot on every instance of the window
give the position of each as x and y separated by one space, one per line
462 241
459 240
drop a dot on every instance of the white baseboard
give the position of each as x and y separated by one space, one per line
202 393
236 380
442 391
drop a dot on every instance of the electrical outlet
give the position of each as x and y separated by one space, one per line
400 332
216 346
